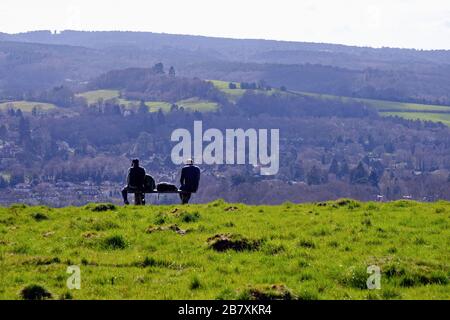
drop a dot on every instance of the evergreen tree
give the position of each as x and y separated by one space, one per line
344 170
172 71
158 68
373 178
359 175
334 167
3 131
143 108
315 176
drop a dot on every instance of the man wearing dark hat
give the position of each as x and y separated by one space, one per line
190 178
135 181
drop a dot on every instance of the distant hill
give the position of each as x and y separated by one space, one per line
246 50
37 60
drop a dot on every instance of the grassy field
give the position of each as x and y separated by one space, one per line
93 96
228 251
27 106
411 111
193 104
405 110
435 117
382 105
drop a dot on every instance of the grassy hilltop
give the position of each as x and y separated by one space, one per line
227 251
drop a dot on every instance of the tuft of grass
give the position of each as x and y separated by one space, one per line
103 207
115 242
35 292
355 277
39 216
304 243
195 283
190 217
349 203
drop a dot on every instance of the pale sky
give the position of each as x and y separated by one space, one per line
394 23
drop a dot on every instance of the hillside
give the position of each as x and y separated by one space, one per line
40 60
410 111
291 251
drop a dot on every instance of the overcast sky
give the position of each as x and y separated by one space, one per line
423 24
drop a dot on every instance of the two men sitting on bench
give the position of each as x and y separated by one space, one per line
136 182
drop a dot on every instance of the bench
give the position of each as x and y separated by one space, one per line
138 200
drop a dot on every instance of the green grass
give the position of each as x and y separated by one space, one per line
219 84
405 110
435 117
154 106
382 105
411 111
307 251
233 95
27 106
93 96
195 104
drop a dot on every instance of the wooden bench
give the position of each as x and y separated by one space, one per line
138 194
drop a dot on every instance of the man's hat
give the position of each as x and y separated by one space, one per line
190 161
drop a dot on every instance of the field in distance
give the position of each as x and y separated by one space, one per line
411 111
227 251
192 104
27 106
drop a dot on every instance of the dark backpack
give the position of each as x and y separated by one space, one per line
166 187
149 183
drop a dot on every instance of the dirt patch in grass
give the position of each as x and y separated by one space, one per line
271 292
224 242
48 234
231 208
172 227
89 235
42 261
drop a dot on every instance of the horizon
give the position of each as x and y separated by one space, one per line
364 24
58 32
